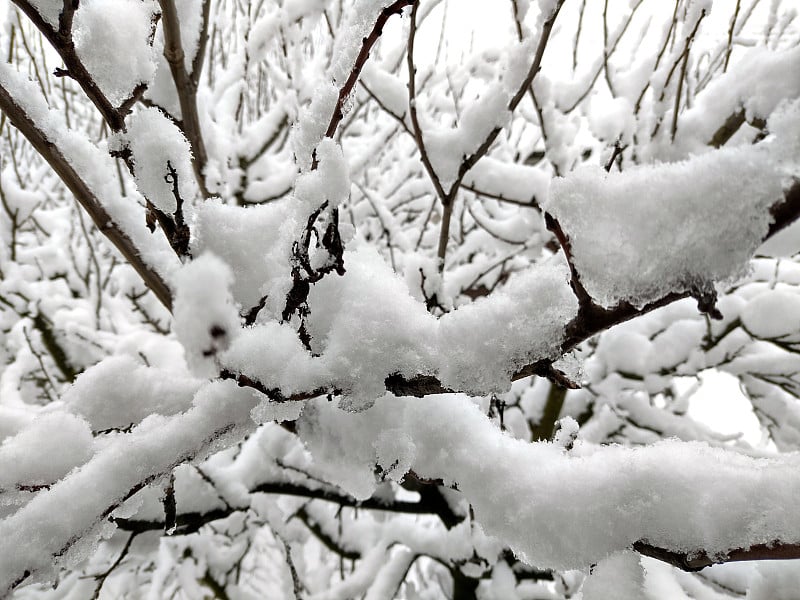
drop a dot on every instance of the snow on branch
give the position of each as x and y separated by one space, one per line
88 175
72 513
664 243
687 499
113 80
363 397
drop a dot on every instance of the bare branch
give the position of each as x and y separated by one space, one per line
186 88
366 46
682 76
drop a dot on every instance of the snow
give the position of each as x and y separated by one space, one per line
758 82
619 576
38 537
367 326
627 352
566 432
772 314
111 39
651 223
272 354
190 17
612 119
44 451
677 495
236 235
98 396
206 318
508 180
154 141
485 342
784 122
50 10
330 181
778 580
448 147
388 88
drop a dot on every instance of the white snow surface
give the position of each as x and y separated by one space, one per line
329 181
774 581
757 83
772 314
447 147
483 343
98 396
619 577
637 235
44 451
366 325
676 495
111 39
155 141
50 10
255 241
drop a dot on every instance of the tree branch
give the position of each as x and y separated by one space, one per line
186 89
62 42
698 560
191 522
84 195
592 319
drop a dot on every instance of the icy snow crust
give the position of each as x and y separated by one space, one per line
638 235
